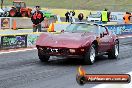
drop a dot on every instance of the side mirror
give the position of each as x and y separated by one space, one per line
101 35
62 31
105 33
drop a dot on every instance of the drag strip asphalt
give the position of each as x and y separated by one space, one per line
24 70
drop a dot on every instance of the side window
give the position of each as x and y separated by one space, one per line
103 30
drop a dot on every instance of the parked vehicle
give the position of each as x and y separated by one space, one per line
19 9
46 13
3 13
79 40
94 17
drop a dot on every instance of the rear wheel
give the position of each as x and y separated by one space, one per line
113 54
89 58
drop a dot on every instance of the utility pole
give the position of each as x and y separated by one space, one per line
2 1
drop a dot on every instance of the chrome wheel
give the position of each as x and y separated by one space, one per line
116 50
92 54
89 57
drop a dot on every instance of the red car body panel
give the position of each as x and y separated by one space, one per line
77 41
65 40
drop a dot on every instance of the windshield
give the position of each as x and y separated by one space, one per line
81 28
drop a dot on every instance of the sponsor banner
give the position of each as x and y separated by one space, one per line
11 42
5 23
122 29
31 39
117 16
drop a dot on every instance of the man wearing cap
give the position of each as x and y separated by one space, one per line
37 18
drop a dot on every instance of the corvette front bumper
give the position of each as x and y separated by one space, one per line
54 51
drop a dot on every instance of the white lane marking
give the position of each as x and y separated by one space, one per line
15 51
115 85
128 36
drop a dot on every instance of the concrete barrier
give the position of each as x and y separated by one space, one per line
18 40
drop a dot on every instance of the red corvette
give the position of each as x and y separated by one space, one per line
79 40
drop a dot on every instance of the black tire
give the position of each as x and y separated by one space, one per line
13 12
87 58
113 54
43 58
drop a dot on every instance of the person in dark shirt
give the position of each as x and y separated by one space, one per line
80 17
67 16
73 13
37 18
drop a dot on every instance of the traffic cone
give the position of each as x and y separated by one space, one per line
52 27
14 25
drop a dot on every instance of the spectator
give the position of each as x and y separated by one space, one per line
73 13
71 16
109 16
127 18
37 18
104 16
67 16
80 17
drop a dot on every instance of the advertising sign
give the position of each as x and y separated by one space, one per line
122 29
117 16
11 42
31 39
5 23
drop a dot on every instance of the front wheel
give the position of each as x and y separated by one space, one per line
43 58
114 53
89 58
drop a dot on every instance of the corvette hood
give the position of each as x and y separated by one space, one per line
67 40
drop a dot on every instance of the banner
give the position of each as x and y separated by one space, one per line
5 23
117 16
31 39
122 29
11 42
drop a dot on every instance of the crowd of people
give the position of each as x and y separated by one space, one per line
38 17
70 16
